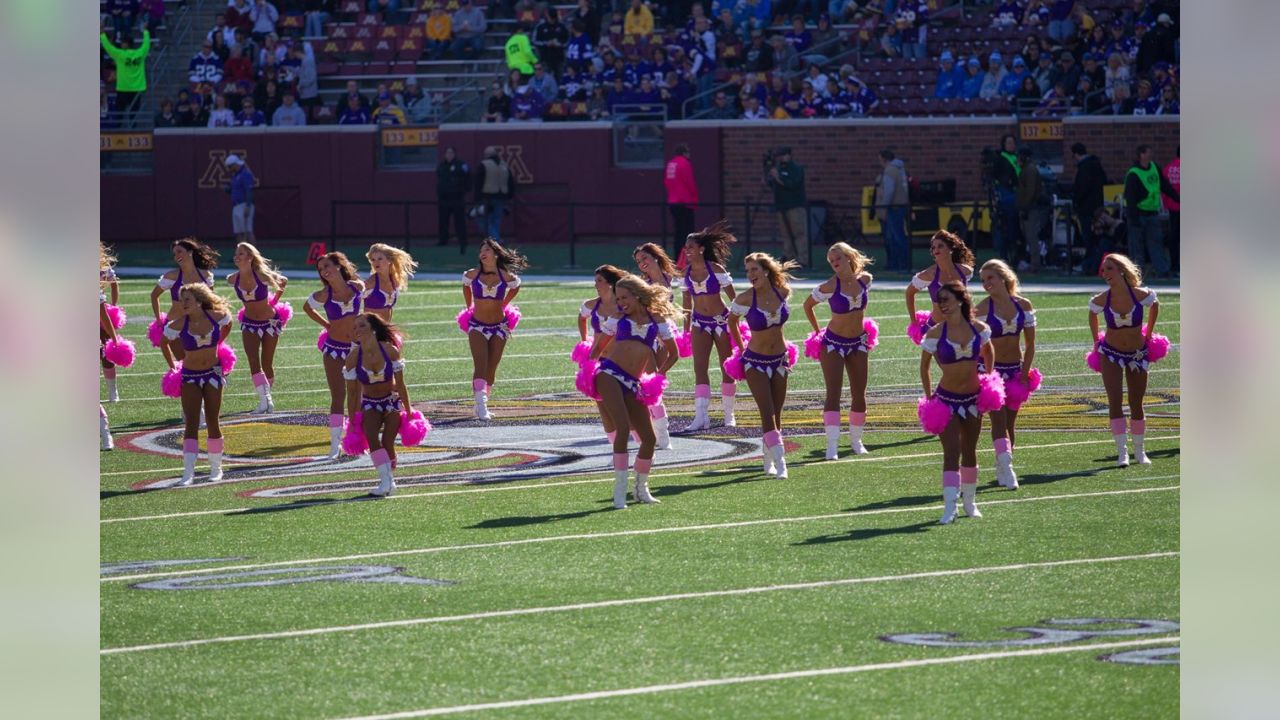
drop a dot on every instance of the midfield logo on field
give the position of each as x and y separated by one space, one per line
1063 631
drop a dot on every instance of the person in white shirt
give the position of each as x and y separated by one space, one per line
288 114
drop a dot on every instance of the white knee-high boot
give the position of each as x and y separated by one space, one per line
658 413
335 436
728 392
104 430
643 466
857 421
190 450
215 459
480 389
701 407
1138 433
831 423
620 481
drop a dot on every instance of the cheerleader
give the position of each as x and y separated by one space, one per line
641 337
845 343
707 317
593 316
768 357
262 319
952 262
657 269
108 282
958 342
108 332
195 262
1010 317
334 308
1125 349
487 291
376 392
199 323
390 271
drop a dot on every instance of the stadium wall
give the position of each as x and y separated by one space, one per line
301 171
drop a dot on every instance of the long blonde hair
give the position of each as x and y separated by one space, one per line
653 298
1006 273
779 274
1132 273
402 263
208 299
263 267
106 258
857 260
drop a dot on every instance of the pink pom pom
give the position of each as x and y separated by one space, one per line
353 440
464 318
321 339
813 345
581 352
872 329
934 415
1019 389
155 331
585 380
1093 359
917 329
733 366
117 316
793 354
120 351
1157 347
990 392
171 383
240 316
745 331
1034 379
226 358
512 313
414 428
284 311
684 342
652 385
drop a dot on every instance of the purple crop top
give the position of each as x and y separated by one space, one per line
375 299
948 352
1133 318
650 333
175 286
592 310
758 319
365 377
933 285
1009 327
334 310
839 302
480 291
712 285
192 342
260 289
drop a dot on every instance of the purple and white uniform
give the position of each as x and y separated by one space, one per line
623 329
758 320
1138 359
192 342
966 273
335 310
841 304
261 292
387 403
375 299
175 286
714 284
481 291
947 353
1008 327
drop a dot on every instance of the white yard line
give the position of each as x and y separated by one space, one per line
614 534
633 601
771 677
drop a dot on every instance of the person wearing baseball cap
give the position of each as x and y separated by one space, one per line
950 77
996 73
973 78
1013 79
241 190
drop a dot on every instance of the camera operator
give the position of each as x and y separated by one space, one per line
786 179
1004 176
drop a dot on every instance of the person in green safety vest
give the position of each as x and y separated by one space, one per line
1004 176
519 52
131 69
1143 184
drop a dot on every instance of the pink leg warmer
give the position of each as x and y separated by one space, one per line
1138 427
611 435
643 465
479 385
658 411
619 461
831 418
728 389
857 418
702 391
1002 445
380 457
772 438
335 420
109 373
215 445
950 478
259 379
190 445
968 475
1117 426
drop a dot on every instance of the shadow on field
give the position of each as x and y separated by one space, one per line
741 475
905 501
523 520
299 505
868 533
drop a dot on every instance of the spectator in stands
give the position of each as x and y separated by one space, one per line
865 101
308 78
892 205
726 30
519 52
220 27
617 94
580 50
598 104
721 108
1028 97
589 18
551 38
1031 54
316 14
166 117
1088 99
416 103
786 179
131 70
387 113
995 75
949 79
822 35
751 87
1096 73
639 20
268 97
249 116
1056 103
753 14
891 41
841 103
123 17
1061 26
657 67
821 83
353 91
1067 72
264 16
799 37
1012 81
185 109
354 113
1007 14
1087 200
1168 101
784 56
237 69
1145 102
1098 41
543 82
758 56
388 9
220 48
1044 73
912 17
515 81
247 46
469 26
288 114
1163 39
572 84
221 115
205 66
239 14
752 110
439 32
973 78
494 189
1144 186
1033 209
1121 101
1117 73
810 104
498 107
152 14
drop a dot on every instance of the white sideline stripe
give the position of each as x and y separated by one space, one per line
634 601
743 679
659 475
614 534
655 476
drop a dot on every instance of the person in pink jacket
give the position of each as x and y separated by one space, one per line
682 193
1172 173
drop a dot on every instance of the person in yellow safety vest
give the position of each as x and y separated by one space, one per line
519 51
1143 185
131 68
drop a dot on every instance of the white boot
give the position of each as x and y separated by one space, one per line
779 461
388 484
1122 450
620 489
1004 471
949 495
215 467
969 494
335 443
833 441
768 460
855 440
264 400
188 468
113 395
482 405
104 433
1139 450
642 490
701 406
660 427
726 403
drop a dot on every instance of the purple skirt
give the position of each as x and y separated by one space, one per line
1008 371
1136 360
767 364
336 350
843 345
628 381
212 376
710 324
489 330
262 328
961 405
386 404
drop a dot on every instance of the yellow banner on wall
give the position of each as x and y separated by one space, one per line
124 142
1041 130
409 137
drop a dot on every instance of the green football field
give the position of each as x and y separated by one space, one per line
498 581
